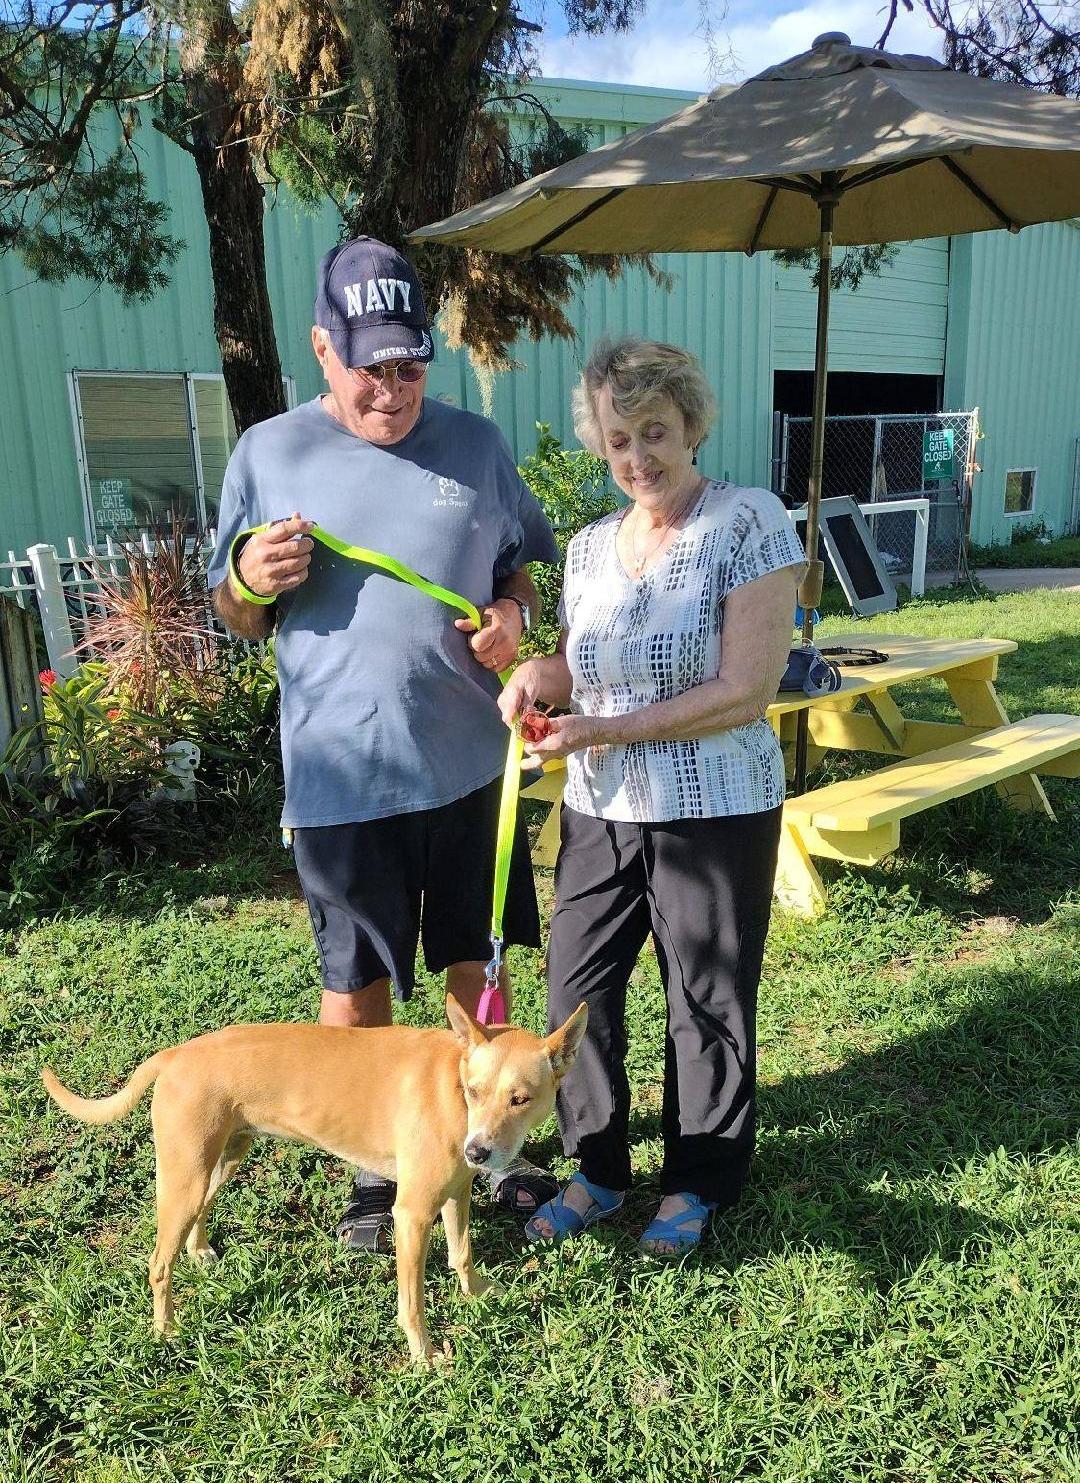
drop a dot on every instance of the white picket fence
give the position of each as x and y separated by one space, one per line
63 588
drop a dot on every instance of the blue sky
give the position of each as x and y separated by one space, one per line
665 49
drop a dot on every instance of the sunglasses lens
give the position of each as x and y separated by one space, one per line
409 371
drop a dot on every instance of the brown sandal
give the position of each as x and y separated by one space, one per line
367 1223
521 1178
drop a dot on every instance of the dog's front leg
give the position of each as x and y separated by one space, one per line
412 1233
455 1215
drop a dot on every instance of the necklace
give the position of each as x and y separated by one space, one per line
638 562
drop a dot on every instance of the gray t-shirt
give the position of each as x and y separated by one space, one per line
384 710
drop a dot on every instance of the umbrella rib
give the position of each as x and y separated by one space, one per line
785 183
762 219
574 220
978 192
877 172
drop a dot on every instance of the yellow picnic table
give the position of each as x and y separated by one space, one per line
858 820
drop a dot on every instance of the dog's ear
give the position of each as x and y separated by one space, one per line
562 1045
469 1031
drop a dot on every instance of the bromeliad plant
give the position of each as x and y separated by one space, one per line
151 630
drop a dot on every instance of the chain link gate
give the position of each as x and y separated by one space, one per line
875 459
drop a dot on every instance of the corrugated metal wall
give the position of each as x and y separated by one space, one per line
718 307
1014 352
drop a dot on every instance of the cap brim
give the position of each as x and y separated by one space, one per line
376 343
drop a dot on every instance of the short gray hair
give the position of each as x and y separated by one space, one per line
641 372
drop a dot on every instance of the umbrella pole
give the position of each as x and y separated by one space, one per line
811 584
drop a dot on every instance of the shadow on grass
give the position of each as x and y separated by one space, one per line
976 858
894 1157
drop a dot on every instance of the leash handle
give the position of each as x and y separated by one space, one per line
388 564
491 1009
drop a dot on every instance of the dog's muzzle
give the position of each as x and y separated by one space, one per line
477 1153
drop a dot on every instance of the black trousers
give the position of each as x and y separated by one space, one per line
703 888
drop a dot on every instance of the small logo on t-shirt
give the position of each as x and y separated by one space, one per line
450 494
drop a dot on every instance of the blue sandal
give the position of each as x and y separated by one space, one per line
565 1220
683 1231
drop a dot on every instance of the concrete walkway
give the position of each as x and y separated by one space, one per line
1017 578
1024 578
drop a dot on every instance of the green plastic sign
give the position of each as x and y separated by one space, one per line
938 457
113 509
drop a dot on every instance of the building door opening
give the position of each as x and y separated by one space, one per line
852 393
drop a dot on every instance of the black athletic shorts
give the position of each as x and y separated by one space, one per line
376 888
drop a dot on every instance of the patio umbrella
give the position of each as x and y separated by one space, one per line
842 144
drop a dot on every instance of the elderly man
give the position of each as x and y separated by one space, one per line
391 738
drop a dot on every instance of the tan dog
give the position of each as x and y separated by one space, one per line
424 1107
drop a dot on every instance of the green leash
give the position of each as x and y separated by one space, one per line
355 553
492 1007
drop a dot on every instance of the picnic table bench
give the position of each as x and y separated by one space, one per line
858 820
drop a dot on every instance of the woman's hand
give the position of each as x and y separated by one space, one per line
567 734
519 693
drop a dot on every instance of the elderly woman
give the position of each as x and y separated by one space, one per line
677 618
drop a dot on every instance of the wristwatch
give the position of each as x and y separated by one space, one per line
526 614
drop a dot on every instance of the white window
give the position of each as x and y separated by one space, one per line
1020 491
152 445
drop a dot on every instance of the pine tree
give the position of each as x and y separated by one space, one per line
1009 40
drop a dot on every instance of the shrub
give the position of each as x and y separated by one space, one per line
93 737
83 789
79 787
573 488
236 730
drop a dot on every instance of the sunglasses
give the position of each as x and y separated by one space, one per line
407 371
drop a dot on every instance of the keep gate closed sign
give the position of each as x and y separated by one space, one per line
938 458
112 505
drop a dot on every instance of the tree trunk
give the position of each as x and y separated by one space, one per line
243 320
453 46
434 125
233 201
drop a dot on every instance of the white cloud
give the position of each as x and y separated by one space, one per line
666 50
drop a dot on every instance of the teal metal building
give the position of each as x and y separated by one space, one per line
102 405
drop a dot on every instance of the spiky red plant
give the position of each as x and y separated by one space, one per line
152 630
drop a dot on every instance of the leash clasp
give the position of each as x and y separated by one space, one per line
491 972
491 1009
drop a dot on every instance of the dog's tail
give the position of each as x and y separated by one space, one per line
107 1109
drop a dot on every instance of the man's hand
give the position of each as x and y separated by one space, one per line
274 561
495 646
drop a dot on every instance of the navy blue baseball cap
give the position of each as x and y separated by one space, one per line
370 303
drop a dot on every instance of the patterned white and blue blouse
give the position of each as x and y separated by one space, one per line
633 642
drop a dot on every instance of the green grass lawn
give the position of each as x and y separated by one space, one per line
896 1298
